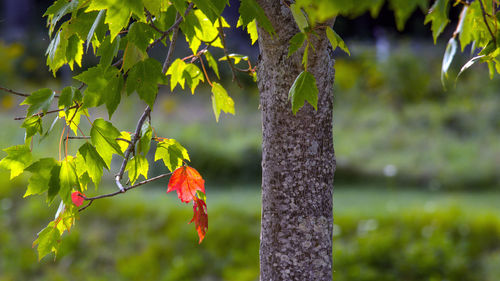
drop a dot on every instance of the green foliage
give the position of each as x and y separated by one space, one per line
103 135
39 100
438 15
303 89
221 101
172 153
17 159
296 42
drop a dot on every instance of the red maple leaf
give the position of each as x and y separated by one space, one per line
186 181
200 217
77 197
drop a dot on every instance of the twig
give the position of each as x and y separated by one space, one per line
78 138
130 147
221 35
14 92
91 199
171 48
486 22
41 114
175 25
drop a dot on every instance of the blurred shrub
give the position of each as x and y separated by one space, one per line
144 236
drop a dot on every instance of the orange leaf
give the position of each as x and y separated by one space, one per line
186 181
200 217
77 197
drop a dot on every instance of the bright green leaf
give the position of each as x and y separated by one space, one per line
336 41
124 144
212 63
145 140
193 76
32 125
68 179
221 101
47 240
137 166
172 153
18 157
176 71
438 15
303 89
299 17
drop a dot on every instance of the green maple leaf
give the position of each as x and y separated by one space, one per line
118 12
137 166
221 101
18 157
193 76
104 85
67 96
47 240
296 42
68 179
438 15
250 10
172 153
32 125
39 100
89 161
103 136
145 140
336 40
41 173
144 78
303 89
141 35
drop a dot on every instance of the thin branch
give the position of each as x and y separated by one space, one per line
175 25
221 35
91 199
486 22
171 48
78 138
41 114
130 147
14 92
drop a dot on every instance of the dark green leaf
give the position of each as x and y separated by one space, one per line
141 35
39 100
41 173
250 10
303 89
108 50
104 86
296 42
103 136
145 140
98 21
54 184
144 78
67 96
88 160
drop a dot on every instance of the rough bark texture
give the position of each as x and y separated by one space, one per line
298 161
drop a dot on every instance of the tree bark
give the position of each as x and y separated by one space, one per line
298 160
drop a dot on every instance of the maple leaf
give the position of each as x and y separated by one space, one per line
200 217
77 197
186 181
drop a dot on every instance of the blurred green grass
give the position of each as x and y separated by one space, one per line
379 234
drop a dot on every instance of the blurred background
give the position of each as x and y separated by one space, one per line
416 188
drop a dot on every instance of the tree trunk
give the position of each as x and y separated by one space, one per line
298 160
